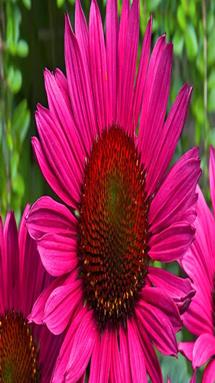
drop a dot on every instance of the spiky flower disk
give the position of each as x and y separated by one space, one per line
27 351
121 207
199 263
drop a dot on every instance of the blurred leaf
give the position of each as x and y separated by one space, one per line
198 109
60 3
178 43
14 164
211 100
175 369
211 80
14 79
21 120
22 48
13 23
181 18
211 49
153 4
27 3
18 185
191 42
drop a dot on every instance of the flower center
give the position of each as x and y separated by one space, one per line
113 228
18 353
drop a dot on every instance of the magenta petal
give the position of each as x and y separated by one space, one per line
61 305
10 271
101 359
179 289
176 195
81 32
111 50
168 138
209 373
186 348
116 369
49 216
124 351
58 253
141 76
98 66
37 313
203 350
79 87
137 360
212 176
154 105
82 348
158 327
171 243
127 53
158 300
151 360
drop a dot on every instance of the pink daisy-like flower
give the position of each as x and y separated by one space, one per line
27 352
199 264
122 208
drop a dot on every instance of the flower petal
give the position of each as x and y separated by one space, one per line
186 348
137 360
61 305
175 200
209 373
49 216
101 359
203 350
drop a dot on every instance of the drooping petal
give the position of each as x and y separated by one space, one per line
179 289
203 349
186 348
49 216
209 373
101 359
61 305
137 360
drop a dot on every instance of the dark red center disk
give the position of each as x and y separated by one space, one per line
113 228
18 353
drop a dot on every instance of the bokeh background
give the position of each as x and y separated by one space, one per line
31 38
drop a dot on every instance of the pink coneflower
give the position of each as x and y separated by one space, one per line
27 352
199 263
122 208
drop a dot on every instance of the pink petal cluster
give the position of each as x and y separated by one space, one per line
22 280
199 264
102 89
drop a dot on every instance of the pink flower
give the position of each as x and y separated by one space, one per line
122 208
27 352
199 264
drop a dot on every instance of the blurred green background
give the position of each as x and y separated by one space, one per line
31 38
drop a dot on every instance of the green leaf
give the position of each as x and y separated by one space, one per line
13 24
181 18
211 100
153 4
191 42
27 3
60 3
14 79
178 43
198 109
175 369
211 50
18 185
21 120
211 80
22 48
